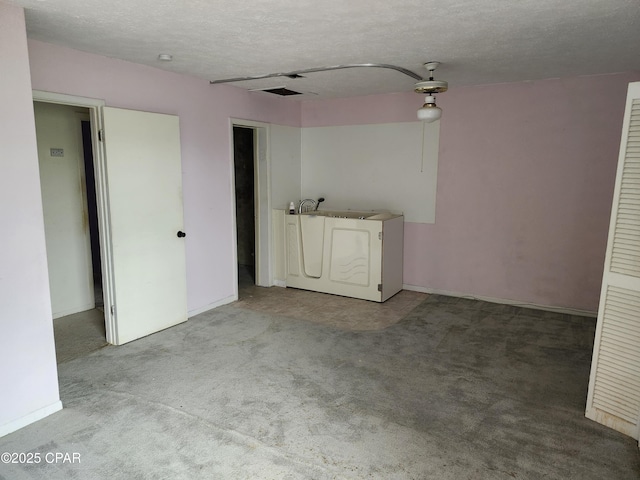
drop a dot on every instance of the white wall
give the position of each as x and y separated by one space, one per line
65 208
285 146
28 376
389 166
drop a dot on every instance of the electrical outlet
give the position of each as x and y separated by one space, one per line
56 152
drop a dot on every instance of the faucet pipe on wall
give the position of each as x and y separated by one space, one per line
302 206
313 204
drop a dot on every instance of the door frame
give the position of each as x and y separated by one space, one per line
99 164
262 199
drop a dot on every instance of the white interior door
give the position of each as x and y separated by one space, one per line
144 179
614 387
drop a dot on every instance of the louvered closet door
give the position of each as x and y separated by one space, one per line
614 386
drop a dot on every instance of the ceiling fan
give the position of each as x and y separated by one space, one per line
430 112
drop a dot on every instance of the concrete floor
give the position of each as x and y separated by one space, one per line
453 389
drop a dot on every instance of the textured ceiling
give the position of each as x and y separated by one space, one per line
477 41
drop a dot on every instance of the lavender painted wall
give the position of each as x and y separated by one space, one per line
204 112
523 198
28 376
525 183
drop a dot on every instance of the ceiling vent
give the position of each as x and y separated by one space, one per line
282 91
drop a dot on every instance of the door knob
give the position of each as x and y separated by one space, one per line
181 234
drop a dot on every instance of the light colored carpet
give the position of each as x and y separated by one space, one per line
79 334
456 390
349 314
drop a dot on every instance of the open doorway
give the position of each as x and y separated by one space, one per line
65 156
245 199
128 203
252 140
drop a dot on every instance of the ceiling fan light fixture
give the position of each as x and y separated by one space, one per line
429 112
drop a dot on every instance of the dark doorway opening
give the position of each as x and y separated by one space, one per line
92 212
244 168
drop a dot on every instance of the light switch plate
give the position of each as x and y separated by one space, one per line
56 152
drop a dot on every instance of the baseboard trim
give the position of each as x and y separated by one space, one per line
211 306
515 303
280 283
33 417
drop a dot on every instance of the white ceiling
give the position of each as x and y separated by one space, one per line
477 41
